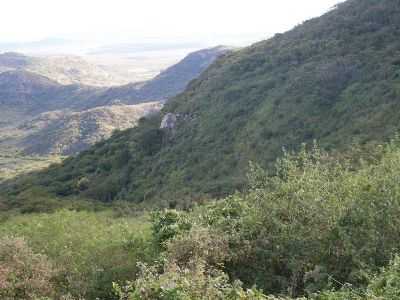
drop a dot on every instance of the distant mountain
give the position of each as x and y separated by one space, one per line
65 133
68 118
13 60
143 47
63 69
36 93
29 94
48 46
22 88
168 83
24 82
175 79
335 79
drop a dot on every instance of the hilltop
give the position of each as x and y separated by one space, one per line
66 133
63 69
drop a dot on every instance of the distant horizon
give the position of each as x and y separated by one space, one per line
58 45
234 38
106 23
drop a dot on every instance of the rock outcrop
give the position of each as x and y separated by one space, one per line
169 121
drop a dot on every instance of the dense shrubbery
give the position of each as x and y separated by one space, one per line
385 285
193 282
23 273
319 227
88 250
190 267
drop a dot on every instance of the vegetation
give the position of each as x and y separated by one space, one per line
88 252
335 79
319 227
315 223
67 133
14 163
23 274
40 116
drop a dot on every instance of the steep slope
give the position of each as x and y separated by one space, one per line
335 78
21 87
26 94
13 60
175 79
62 69
66 133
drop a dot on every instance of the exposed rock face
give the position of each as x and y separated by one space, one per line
169 121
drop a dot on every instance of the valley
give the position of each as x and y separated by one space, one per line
48 116
266 172
13 163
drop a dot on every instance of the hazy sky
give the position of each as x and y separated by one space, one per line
122 20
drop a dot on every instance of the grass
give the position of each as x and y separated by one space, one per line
13 163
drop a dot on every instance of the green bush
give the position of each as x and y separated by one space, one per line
168 224
321 226
192 283
199 244
386 285
89 250
317 223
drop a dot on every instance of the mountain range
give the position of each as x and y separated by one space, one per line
66 133
47 117
61 68
334 79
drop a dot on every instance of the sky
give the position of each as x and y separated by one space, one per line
113 21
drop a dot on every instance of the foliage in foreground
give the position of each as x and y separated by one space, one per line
318 228
24 274
88 250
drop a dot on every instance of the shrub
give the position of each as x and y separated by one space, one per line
89 250
23 273
387 284
168 224
195 282
199 244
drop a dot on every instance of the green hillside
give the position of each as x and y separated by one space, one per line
335 79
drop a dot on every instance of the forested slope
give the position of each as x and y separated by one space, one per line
335 79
